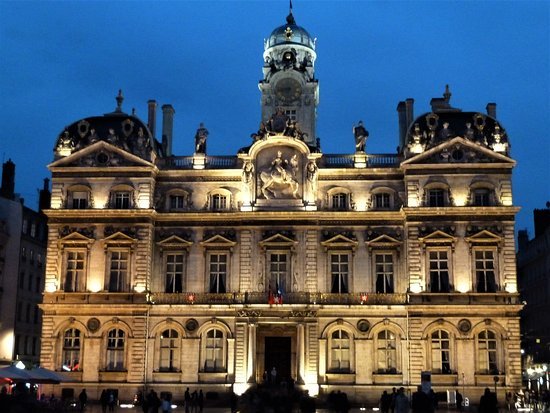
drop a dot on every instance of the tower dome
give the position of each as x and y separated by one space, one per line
290 33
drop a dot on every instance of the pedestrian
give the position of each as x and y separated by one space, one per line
112 401
83 399
153 402
488 402
420 401
166 404
234 402
392 402
385 401
201 401
187 400
194 401
401 401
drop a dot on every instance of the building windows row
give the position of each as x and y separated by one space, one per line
438 269
440 196
25 346
167 359
442 358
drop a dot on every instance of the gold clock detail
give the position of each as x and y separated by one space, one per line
288 89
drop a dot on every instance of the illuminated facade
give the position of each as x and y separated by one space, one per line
351 272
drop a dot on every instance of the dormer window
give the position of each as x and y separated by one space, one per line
436 197
382 201
79 200
481 197
177 201
219 202
121 200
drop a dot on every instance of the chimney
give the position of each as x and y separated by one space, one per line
45 197
152 116
8 180
167 128
523 239
406 117
492 110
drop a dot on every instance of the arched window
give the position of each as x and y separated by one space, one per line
487 361
441 352
214 350
116 339
220 200
386 348
71 350
79 197
122 197
340 351
339 199
169 350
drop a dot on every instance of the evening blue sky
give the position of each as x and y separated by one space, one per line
63 61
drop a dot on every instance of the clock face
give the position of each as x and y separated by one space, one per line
288 89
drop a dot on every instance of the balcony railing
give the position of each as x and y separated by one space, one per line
287 298
501 298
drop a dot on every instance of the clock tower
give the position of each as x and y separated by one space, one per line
289 77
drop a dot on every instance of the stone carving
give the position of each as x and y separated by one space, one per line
200 139
247 178
312 172
278 179
361 135
65 144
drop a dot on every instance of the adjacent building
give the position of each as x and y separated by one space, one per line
533 260
353 272
22 267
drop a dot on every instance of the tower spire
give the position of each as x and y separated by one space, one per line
290 17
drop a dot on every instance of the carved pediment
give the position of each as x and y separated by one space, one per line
342 240
437 237
75 237
100 154
383 241
119 239
217 241
280 240
458 151
174 242
484 237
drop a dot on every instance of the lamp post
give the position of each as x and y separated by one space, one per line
495 379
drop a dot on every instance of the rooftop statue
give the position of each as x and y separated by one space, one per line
361 135
200 139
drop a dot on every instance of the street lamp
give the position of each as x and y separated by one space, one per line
495 379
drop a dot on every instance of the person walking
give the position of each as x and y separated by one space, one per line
83 399
166 404
104 400
385 401
401 401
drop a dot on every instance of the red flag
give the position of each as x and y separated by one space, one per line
270 298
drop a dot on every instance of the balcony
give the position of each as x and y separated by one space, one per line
288 298
499 298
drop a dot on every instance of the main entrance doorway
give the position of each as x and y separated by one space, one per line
278 354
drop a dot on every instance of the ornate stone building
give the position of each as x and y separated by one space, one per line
351 272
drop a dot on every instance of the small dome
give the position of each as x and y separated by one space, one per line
117 128
290 33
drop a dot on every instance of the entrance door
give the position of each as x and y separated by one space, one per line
278 355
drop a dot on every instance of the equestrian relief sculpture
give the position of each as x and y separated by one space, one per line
280 178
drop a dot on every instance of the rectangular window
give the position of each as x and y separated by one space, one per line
384 273
339 270
29 282
214 351
80 200
487 352
33 229
441 353
37 286
485 271
34 346
218 273
482 197
386 347
23 254
382 201
439 271
22 279
291 113
219 202
177 202
169 349
25 226
174 273
39 260
340 201
278 271
115 350
31 256
122 200
74 273
436 197
340 351
118 271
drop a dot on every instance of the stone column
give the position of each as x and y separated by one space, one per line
300 353
251 365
